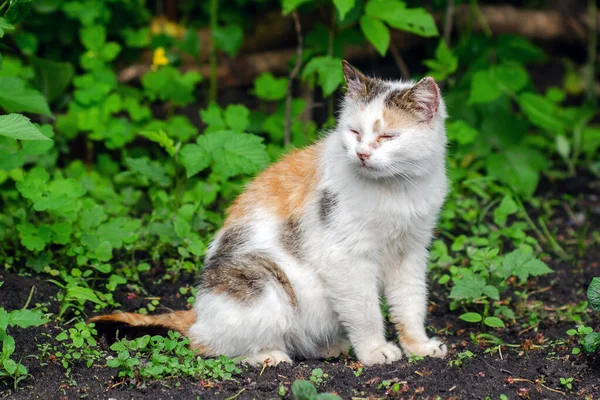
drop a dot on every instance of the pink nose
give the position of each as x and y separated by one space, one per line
363 156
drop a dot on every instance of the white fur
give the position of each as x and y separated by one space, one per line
377 243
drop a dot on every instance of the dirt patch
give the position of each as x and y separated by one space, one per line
530 365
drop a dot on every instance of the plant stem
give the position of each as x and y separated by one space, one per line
3 5
29 298
448 22
288 98
212 94
330 54
592 50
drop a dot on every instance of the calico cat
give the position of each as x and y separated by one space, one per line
298 268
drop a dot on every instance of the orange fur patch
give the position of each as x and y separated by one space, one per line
395 118
284 188
405 340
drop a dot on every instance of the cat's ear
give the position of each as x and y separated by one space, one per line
356 82
425 99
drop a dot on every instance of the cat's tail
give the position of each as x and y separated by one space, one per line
179 321
133 325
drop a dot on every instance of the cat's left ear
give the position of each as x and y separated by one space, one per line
425 98
357 82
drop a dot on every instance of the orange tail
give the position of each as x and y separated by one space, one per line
136 324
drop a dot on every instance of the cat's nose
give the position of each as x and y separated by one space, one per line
363 156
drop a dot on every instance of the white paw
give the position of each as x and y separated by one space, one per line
268 357
342 346
385 354
433 348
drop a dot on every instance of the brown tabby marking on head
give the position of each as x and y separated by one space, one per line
377 126
361 87
244 277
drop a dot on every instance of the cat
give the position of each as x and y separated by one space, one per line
299 265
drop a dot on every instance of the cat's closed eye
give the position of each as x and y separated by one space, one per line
356 133
385 137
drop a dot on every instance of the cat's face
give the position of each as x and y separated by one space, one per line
391 129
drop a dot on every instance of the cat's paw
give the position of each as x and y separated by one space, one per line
433 348
268 357
385 354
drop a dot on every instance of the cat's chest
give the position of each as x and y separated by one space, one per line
377 220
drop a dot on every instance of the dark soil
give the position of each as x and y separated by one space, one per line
529 366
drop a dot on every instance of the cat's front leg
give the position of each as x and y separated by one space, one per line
405 289
354 295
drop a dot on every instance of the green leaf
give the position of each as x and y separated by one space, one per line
18 10
483 89
5 27
522 264
8 346
591 342
461 131
507 207
10 366
517 49
237 117
471 317
93 37
376 32
182 228
194 158
469 287
444 64
542 112
343 7
519 167
229 38
328 70
267 87
488 85
593 294
494 322
52 78
395 14
563 147
19 127
491 292
15 97
328 396
26 318
82 294
240 153
290 5
303 390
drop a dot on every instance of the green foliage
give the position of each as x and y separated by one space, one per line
23 319
78 343
151 358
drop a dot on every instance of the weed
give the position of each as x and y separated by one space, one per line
567 382
151 358
304 390
461 357
317 376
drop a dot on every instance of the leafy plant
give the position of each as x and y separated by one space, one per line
150 358
9 368
589 339
304 390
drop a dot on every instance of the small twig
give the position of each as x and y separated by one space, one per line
29 298
288 98
448 22
399 62
236 395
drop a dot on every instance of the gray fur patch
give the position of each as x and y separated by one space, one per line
244 277
291 237
327 205
232 239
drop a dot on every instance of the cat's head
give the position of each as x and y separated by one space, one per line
391 128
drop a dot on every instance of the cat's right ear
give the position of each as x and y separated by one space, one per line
355 81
